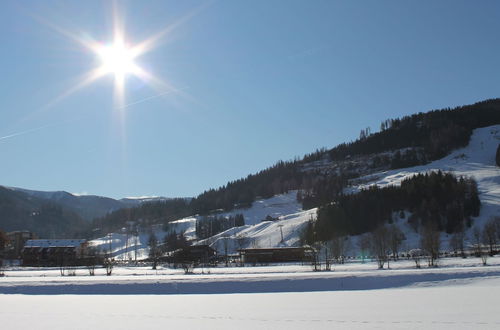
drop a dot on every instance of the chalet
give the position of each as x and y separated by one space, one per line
54 252
277 254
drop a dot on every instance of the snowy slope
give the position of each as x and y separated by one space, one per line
255 232
276 206
263 234
476 160
125 246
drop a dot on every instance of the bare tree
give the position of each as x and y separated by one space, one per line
430 243
338 247
241 241
457 243
380 245
490 235
91 260
478 246
364 244
225 245
416 256
396 237
109 264
154 251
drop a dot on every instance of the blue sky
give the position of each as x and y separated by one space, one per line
259 81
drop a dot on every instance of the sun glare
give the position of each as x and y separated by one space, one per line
117 59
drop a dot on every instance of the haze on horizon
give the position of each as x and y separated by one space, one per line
231 86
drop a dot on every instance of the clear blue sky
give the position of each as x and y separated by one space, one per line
261 81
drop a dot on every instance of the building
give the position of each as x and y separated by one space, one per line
278 254
197 254
15 243
54 252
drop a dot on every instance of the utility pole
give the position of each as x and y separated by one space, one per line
281 230
136 234
109 241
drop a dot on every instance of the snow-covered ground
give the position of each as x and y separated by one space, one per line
460 294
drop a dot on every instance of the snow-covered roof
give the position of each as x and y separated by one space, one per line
54 242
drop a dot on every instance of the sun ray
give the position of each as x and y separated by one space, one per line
87 79
118 56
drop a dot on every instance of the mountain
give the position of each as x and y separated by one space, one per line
21 211
322 176
59 214
87 206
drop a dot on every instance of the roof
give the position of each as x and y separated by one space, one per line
54 243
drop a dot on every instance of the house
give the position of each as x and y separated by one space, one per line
277 254
54 252
15 243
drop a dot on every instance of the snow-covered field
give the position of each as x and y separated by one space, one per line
460 294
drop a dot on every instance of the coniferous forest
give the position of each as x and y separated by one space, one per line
438 198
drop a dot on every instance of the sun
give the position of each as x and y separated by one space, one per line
117 59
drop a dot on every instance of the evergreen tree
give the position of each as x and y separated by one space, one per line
498 155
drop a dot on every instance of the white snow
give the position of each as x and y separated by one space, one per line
458 295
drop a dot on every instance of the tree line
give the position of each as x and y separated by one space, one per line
212 225
438 198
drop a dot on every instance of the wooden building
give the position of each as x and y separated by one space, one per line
197 254
54 252
278 254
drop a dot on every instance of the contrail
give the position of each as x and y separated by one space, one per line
25 132
5 137
151 97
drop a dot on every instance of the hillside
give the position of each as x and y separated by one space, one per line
476 160
57 213
321 176
19 211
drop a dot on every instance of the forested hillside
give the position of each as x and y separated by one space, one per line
320 177
19 211
438 198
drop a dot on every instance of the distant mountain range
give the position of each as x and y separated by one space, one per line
87 206
56 213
